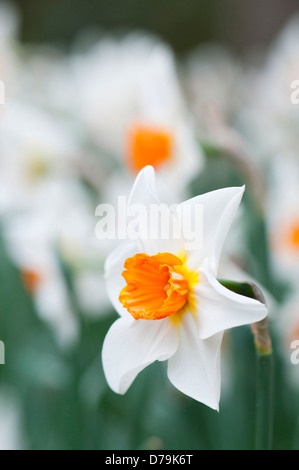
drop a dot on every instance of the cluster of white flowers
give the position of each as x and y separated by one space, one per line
65 127
78 128
270 121
253 115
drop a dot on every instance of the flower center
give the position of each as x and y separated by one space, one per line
285 238
294 236
37 166
296 332
148 146
157 286
31 280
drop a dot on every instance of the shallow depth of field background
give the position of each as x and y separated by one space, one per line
70 71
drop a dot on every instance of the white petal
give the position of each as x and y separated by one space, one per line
219 309
219 209
114 266
160 226
195 368
144 190
131 345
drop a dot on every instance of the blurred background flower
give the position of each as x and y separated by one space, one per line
93 93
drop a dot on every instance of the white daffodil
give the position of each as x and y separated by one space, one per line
133 108
36 147
59 225
170 303
31 246
283 218
270 117
61 217
211 76
46 80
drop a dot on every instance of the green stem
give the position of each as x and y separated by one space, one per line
264 393
264 385
264 366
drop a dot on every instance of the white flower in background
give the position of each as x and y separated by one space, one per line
287 331
60 223
216 84
131 102
170 303
44 208
270 119
84 255
11 434
212 75
35 74
288 324
283 218
46 81
31 250
35 146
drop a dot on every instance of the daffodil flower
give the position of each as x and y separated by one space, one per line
170 303
282 219
132 104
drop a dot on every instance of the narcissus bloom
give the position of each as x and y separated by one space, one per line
133 106
283 219
170 303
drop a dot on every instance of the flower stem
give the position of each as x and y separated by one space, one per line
264 367
264 380
264 386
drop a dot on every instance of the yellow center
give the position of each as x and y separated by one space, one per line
37 166
148 146
157 286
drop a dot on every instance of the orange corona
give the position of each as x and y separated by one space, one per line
31 280
294 236
148 146
157 286
286 237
